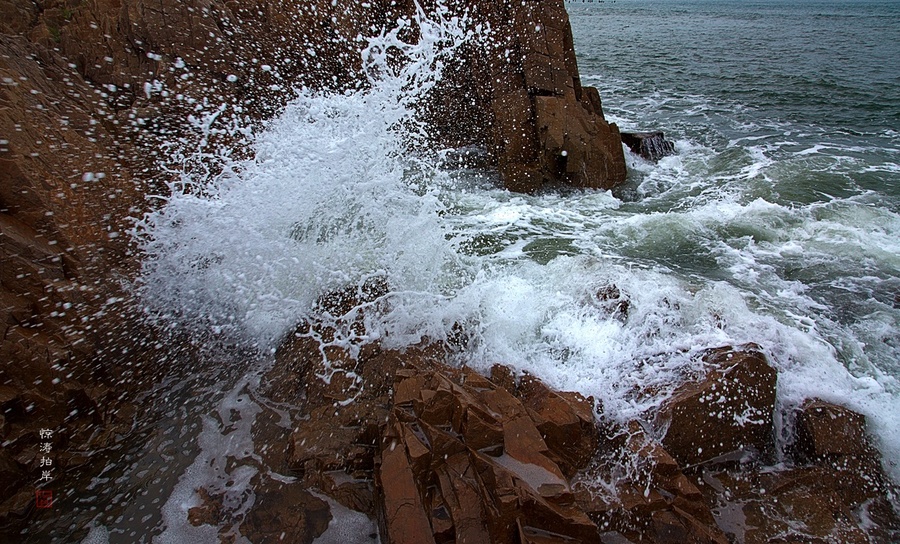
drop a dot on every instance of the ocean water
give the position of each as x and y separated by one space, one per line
785 187
777 221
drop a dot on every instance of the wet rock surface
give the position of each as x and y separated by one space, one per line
437 453
729 411
649 145
804 504
91 91
834 438
475 466
548 128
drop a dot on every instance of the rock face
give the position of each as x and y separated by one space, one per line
547 127
729 411
649 145
91 90
444 454
465 461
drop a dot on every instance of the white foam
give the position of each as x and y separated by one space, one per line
224 468
98 534
347 526
337 193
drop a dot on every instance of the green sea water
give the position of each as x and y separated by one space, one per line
787 121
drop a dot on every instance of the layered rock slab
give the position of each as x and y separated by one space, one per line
476 466
444 454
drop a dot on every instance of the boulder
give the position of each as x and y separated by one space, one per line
651 501
794 505
827 432
649 145
566 423
729 411
473 463
835 438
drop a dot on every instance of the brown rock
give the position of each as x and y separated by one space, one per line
649 452
11 473
208 513
481 431
835 438
826 430
401 514
652 501
504 378
530 535
798 505
730 410
282 512
15 510
565 421
474 462
649 145
461 491
545 128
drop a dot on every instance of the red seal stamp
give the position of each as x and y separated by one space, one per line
43 498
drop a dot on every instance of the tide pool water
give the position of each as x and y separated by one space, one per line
776 222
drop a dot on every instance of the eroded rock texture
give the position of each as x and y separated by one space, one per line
472 465
649 145
727 412
92 91
444 454
546 128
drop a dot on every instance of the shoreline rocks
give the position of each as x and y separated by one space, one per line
442 454
652 146
729 412
91 92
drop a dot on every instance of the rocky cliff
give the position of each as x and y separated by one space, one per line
91 91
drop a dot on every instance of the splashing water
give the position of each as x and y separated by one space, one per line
343 188
332 196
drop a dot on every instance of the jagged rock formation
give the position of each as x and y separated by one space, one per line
730 411
649 145
546 128
91 90
443 454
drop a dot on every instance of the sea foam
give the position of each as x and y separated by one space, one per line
340 190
